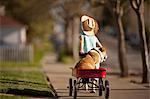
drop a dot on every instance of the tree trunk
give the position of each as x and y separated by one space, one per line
122 48
68 38
121 40
143 45
138 7
76 38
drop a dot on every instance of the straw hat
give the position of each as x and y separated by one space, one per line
88 25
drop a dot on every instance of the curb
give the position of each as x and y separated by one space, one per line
51 86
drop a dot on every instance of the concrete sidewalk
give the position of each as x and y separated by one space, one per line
121 88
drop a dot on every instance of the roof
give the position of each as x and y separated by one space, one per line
9 22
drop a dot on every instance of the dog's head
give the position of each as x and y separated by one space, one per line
103 54
95 55
99 56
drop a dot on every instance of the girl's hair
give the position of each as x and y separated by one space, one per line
86 26
96 27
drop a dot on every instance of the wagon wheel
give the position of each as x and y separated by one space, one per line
75 90
100 84
70 87
107 89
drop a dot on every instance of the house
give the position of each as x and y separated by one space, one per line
13 46
11 31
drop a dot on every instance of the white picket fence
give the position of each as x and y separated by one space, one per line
16 53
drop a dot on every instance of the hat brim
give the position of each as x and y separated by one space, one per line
84 18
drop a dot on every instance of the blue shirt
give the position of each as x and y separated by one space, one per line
89 42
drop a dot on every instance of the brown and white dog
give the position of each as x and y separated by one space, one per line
97 55
92 58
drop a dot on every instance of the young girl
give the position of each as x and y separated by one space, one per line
88 40
90 45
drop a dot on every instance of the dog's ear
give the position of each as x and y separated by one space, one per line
102 49
85 25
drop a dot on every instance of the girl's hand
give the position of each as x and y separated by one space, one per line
81 53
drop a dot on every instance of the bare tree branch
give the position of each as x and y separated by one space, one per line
138 2
133 5
118 6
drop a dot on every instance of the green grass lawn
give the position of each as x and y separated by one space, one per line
12 97
23 80
27 83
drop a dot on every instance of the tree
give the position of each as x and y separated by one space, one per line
119 6
69 11
32 13
76 23
138 7
121 40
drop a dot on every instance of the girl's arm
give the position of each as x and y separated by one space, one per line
98 43
101 48
81 44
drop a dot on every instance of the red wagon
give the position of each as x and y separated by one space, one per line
87 78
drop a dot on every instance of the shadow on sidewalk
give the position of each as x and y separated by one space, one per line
27 92
130 89
19 81
22 90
